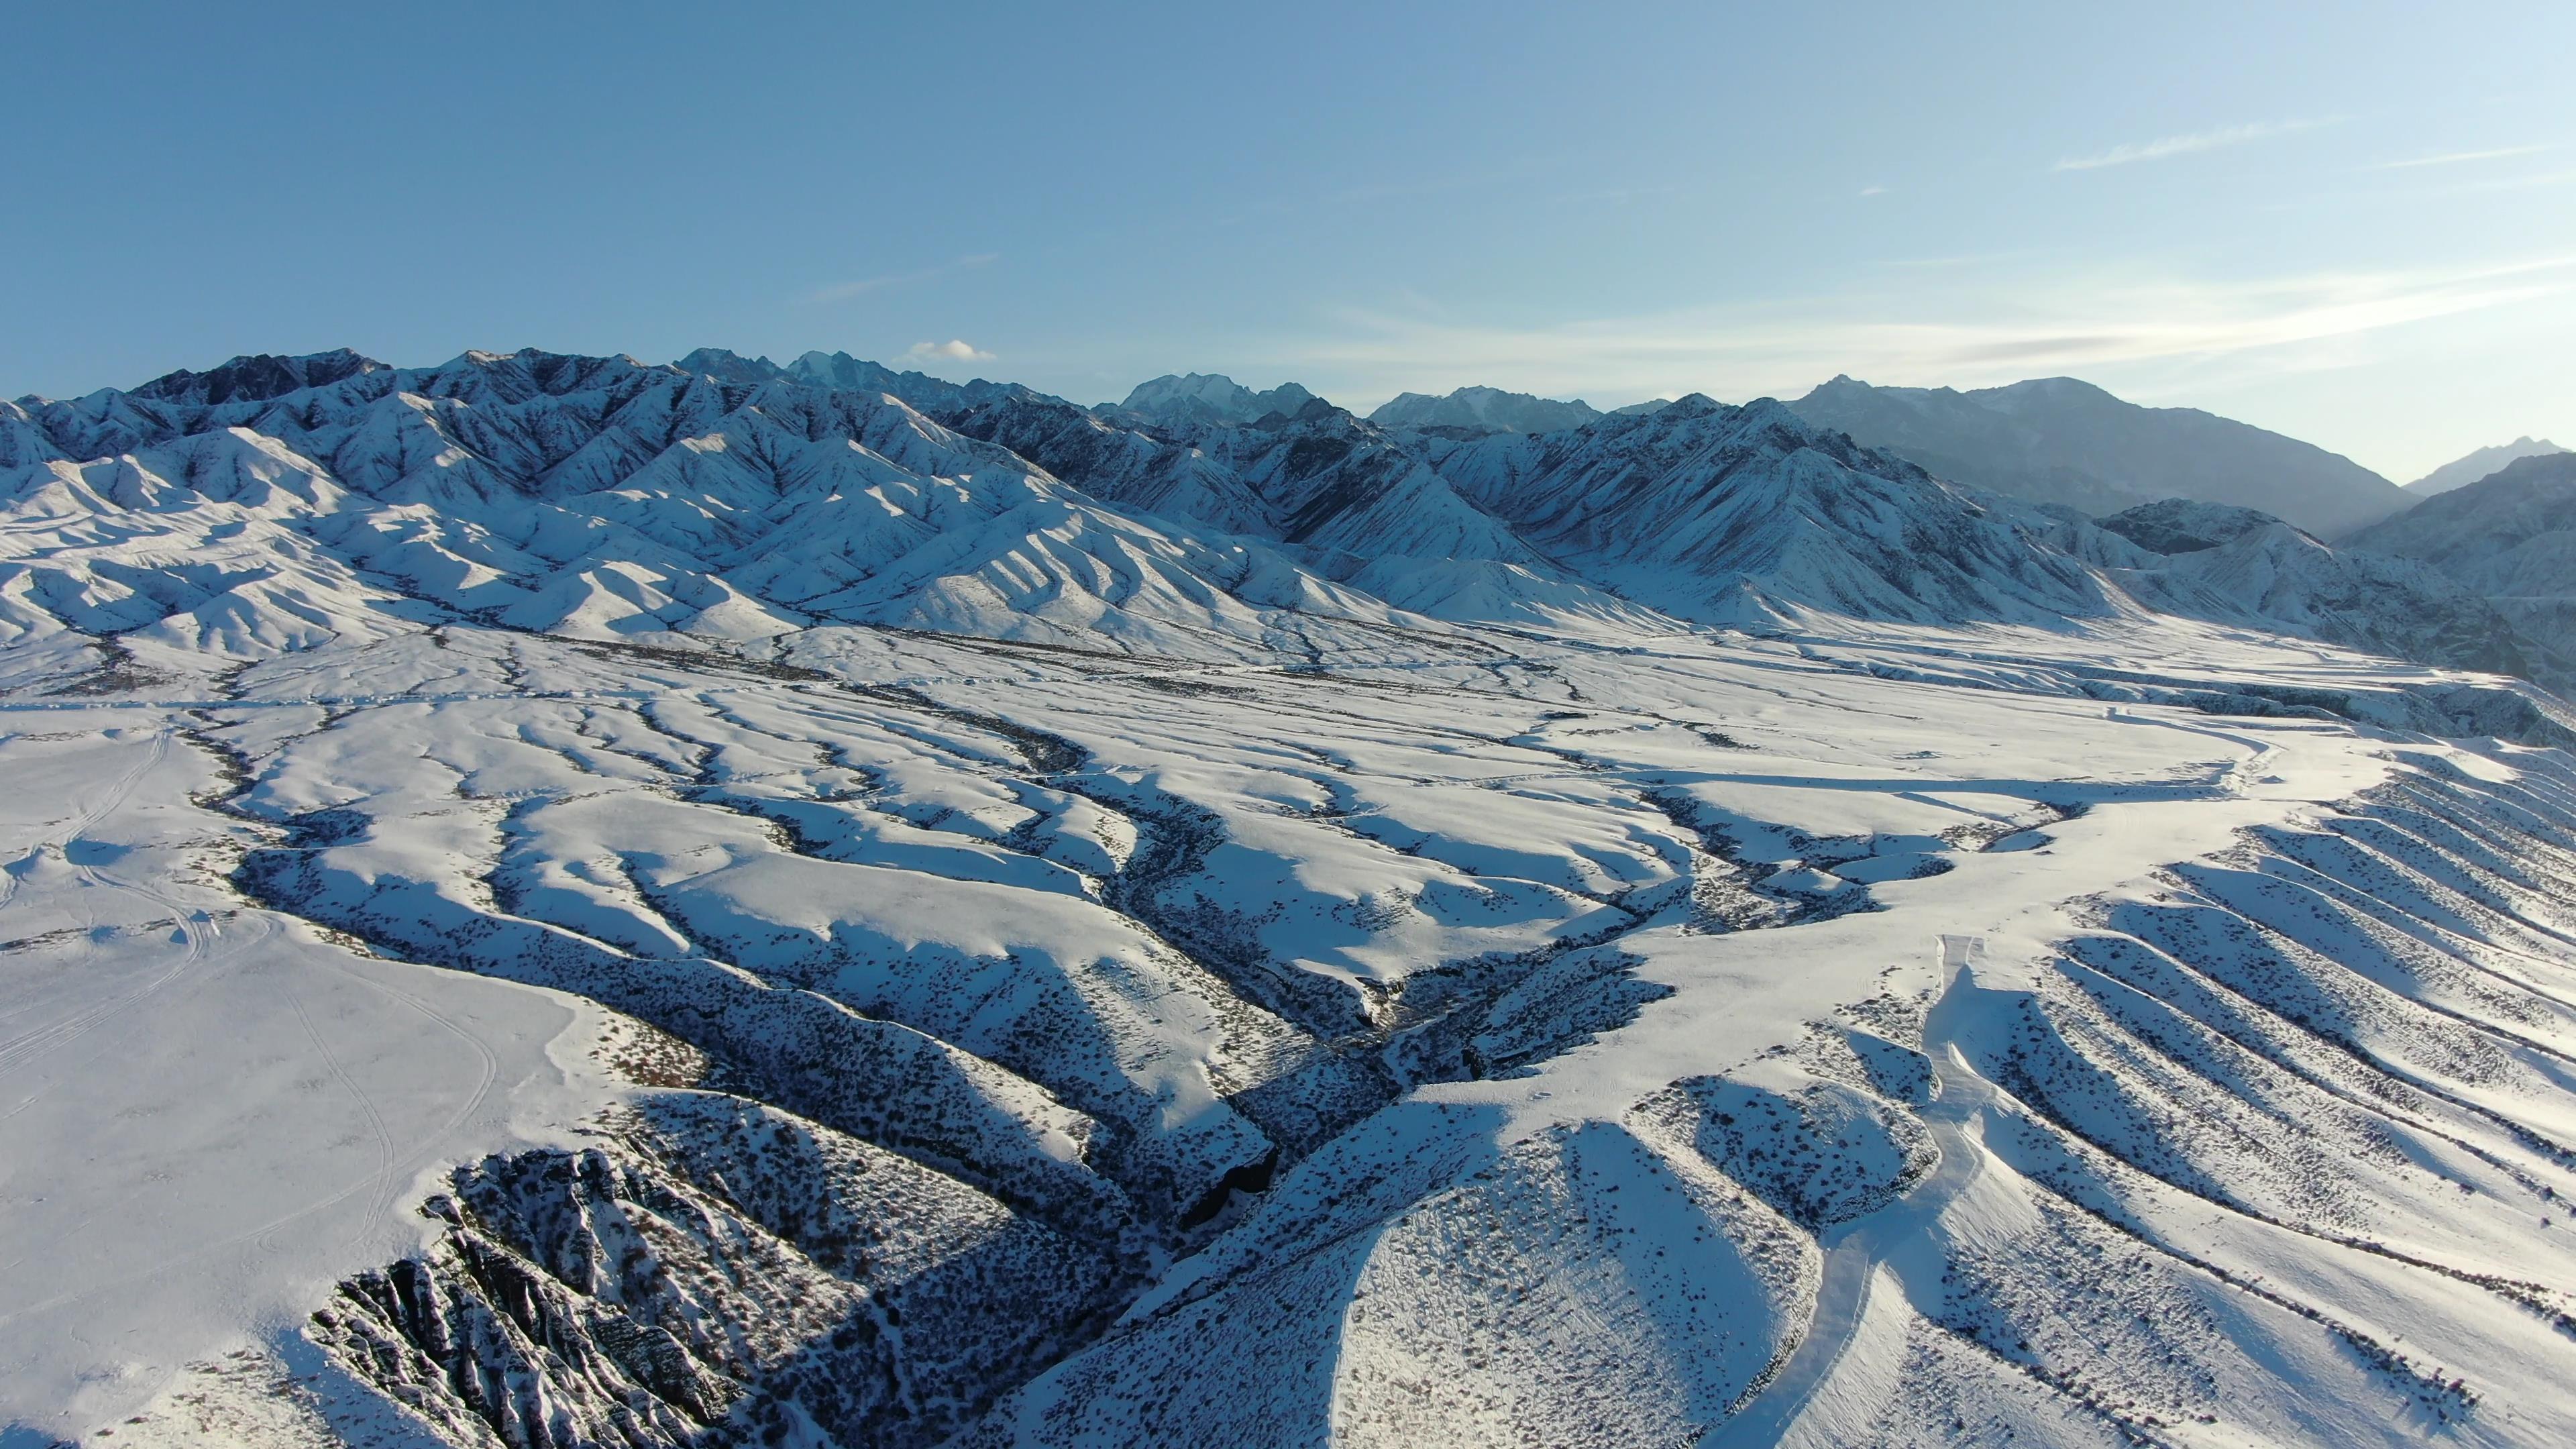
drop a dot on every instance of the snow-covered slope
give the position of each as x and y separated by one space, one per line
1120 463
2505 534
1343 496
2059 440
560 902
2243 566
1483 409
1365 505
2480 463
2183 525
602 497
1743 515
2510 536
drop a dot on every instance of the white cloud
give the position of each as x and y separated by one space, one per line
2169 146
952 350
844 291
1873 191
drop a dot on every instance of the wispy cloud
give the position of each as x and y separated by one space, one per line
2528 181
2166 147
952 350
2455 158
1873 191
1994 333
844 291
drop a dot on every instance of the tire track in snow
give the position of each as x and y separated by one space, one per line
384 1179
43 1041
90 814
384 1172
489 1071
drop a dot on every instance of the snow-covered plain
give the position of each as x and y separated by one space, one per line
484 965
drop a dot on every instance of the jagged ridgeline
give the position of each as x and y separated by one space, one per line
732 498
812 905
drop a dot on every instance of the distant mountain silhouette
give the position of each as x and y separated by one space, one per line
2060 440
2461 472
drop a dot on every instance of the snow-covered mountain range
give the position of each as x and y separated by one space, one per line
562 901
736 498
596 497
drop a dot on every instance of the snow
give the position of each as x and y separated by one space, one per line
208 1114
552 900
2154 786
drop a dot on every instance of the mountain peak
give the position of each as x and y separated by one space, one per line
1487 409
726 365
2055 390
1197 398
841 371
2481 464
1312 411
2183 525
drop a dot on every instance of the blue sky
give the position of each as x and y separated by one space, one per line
2354 223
